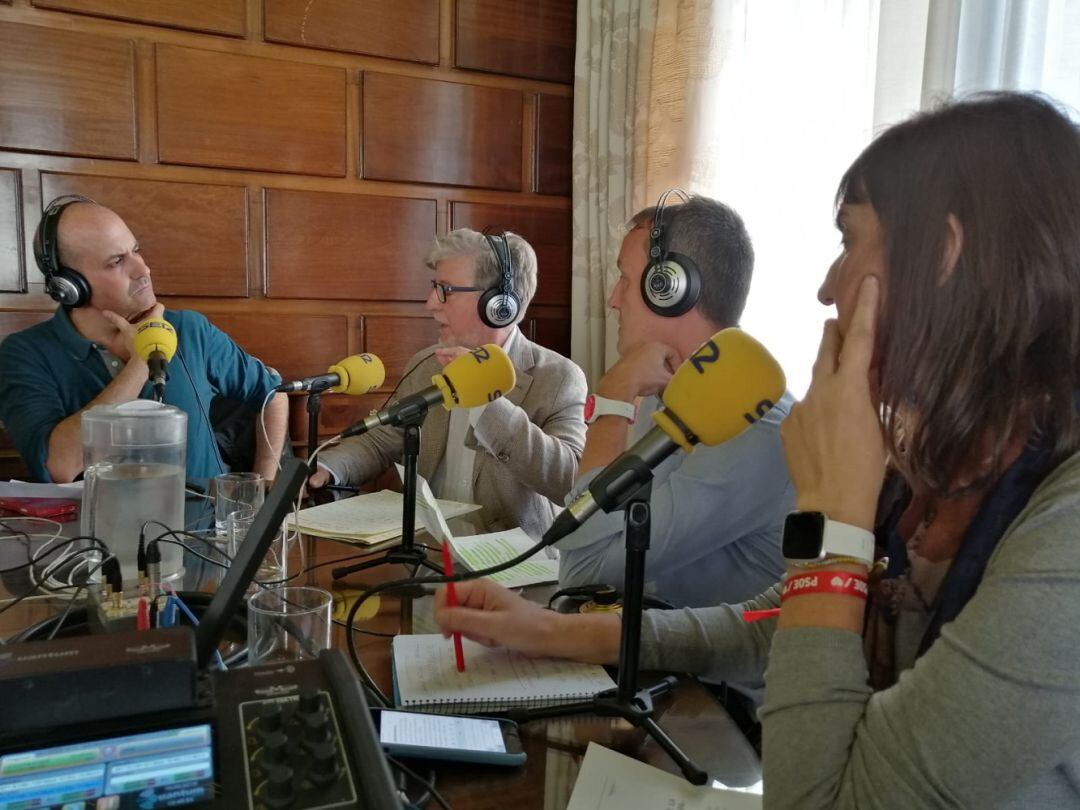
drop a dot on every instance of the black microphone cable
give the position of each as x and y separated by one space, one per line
202 410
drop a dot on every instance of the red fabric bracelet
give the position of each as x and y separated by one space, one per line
839 582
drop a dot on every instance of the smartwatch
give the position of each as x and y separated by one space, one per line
812 537
595 407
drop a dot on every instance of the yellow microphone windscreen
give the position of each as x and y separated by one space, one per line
476 378
155 336
359 373
721 390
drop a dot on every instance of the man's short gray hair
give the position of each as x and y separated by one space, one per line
467 242
714 237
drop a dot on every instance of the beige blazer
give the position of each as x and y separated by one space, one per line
527 444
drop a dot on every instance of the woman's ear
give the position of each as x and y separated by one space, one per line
954 245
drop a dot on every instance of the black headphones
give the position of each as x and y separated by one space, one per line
671 283
63 284
499 306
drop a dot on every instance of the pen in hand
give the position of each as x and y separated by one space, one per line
451 601
758 615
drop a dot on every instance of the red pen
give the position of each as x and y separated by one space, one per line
451 601
756 615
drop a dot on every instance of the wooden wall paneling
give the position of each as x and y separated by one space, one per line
66 92
347 246
546 229
193 235
296 345
395 339
551 331
398 29
16 321
243 112
212 16
530 38
554 144
427 131
337 413
12 269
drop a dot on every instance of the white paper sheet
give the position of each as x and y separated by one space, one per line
611 781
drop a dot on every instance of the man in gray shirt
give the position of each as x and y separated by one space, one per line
718 513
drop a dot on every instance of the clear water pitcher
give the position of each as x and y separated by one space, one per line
134 457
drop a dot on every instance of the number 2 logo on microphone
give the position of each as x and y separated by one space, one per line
708 354
481 354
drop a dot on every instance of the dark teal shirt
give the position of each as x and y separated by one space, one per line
50 371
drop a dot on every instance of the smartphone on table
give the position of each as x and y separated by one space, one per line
449 736
61 509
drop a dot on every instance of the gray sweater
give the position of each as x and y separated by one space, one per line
989 717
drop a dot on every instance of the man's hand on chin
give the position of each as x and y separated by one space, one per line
122 343
643 370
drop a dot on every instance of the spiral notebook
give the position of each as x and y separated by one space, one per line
495 678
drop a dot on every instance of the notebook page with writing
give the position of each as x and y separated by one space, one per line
426 677
486 550
367 518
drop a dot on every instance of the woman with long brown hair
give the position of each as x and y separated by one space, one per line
950 675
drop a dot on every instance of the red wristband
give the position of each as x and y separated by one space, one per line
839 582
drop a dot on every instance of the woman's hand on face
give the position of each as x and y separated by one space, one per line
833 439
496 617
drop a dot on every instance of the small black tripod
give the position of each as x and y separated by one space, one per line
627 701
406 552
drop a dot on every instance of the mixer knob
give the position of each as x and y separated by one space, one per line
316 727
310 700
280 791
275 750
271 718
324 766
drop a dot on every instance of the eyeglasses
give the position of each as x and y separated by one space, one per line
441 290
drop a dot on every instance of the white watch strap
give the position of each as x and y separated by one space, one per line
602 406
845 540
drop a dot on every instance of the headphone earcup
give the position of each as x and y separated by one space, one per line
497 308
671 287
63 284
68 287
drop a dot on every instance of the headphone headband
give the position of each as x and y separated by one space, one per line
671 282
65 285
500 306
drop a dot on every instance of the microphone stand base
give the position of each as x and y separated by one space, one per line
406 552
638 711
626 700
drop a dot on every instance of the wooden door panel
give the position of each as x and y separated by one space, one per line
12 271
66 92
554 144
531 38
426 131
398 29
296 345
396 339
347 246
213 16
244 112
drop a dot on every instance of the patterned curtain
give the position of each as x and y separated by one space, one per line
611 107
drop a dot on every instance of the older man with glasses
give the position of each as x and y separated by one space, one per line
517 457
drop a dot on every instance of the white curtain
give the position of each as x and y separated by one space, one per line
611 88
764 104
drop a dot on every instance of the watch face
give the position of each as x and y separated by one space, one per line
590 407
803 535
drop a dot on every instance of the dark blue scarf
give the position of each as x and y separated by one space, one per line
999 509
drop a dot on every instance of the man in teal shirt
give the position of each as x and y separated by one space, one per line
83 356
